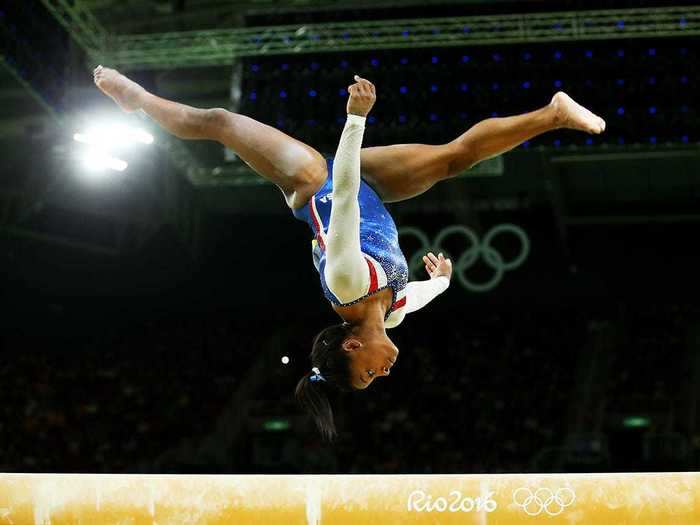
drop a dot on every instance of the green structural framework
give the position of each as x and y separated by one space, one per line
221 46
82 25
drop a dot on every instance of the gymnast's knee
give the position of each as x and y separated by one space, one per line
464 155
307 180
215 121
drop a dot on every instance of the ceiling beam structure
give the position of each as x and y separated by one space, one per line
221 46
142 16
80 23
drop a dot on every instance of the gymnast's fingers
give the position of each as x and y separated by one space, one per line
365 83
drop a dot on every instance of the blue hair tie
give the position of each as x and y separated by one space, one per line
316 375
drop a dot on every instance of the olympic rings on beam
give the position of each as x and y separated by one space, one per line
543 500
469 257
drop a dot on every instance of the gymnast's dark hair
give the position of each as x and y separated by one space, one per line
333 363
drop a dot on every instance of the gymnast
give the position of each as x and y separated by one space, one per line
364 274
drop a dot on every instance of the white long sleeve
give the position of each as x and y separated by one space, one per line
420 293
346 273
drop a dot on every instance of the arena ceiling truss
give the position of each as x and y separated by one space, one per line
176 49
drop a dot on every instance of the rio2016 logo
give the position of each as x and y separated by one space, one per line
419 501
476 249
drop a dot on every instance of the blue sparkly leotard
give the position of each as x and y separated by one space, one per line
379 242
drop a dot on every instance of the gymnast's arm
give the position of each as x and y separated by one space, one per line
347 273
420 293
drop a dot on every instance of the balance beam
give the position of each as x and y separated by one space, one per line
566 499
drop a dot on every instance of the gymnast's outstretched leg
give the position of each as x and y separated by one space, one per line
403 171
297 169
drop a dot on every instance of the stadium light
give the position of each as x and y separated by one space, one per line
98 160
103 144
113 135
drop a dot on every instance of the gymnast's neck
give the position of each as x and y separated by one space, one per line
367 315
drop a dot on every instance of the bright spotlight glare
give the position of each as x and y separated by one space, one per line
113 135
96 160
106 136
118 164
285 360
140 135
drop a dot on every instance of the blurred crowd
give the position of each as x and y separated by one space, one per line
103 403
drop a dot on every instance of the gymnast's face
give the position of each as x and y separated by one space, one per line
370 358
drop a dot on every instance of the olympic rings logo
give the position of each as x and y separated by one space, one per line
475 249
544 500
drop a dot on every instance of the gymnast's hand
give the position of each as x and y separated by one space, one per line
362 97
437 266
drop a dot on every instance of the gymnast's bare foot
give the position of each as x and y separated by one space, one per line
126 93
569 114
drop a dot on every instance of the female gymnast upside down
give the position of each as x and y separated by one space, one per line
363 272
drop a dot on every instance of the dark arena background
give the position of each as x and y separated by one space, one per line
159 306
